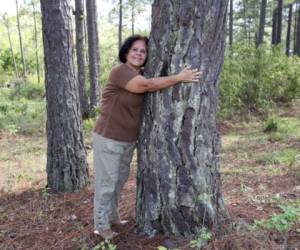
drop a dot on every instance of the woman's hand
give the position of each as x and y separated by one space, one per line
189 75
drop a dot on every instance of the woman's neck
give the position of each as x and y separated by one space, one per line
137 69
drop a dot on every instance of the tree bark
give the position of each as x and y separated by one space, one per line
297 47
178 178
245 19
79 17
93 45
288 33
279 22
274 26
10 45
230 23
262 21
67 168
120 22
132 17
36 44
20 41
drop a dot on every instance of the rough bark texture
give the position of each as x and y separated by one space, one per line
67 168
93 44
262 21
288 33
178 179
20 40
79 18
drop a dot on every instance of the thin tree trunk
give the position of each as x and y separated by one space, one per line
20 41
262 21
245 20
288 34
10 45
132 19
67 168
230 23
93 44
295 29
298 34
178 178
279 22
274 26
85 35
120 23
36 45
79 17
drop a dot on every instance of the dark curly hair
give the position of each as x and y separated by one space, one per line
127 45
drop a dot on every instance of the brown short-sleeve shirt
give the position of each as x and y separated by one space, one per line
120 109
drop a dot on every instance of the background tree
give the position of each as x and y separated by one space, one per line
20 40
262 21
94 56
36 42
67 168
297 40
6 23
178 179
230 22
80 55
288 33
279 21
120 22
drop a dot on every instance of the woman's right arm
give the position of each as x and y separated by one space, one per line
140 84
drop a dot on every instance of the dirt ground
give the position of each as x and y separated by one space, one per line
33 218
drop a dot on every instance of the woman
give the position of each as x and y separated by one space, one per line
116 130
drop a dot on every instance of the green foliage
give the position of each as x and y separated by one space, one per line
28 90
257 79
202 238
281 222
19 114
88 125
284 156
105 245
271 125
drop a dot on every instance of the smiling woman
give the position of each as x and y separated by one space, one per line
116 130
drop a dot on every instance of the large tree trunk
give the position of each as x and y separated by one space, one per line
67 168
20 40
178 179
288 33
79 17
262 21
93 44
6 23
36 44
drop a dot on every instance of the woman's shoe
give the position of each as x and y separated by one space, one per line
106 234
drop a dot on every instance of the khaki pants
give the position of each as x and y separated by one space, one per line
111 168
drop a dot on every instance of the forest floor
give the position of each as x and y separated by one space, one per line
261 186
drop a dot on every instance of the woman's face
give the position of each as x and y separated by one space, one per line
137 54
